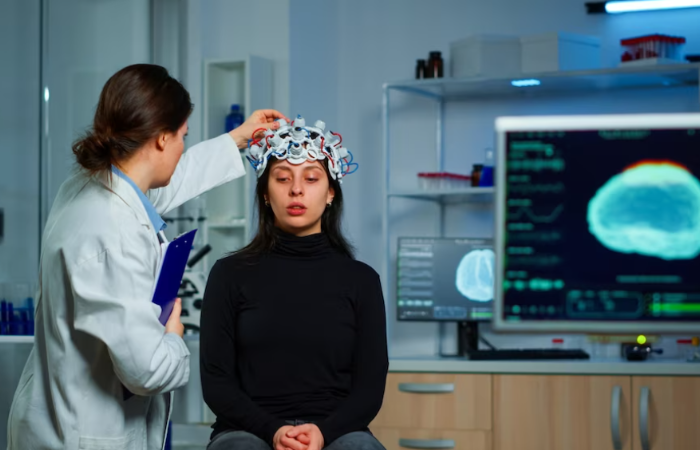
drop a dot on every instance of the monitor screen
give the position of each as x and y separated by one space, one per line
445 279
598 223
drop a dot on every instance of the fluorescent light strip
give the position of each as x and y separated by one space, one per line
525 83
616 7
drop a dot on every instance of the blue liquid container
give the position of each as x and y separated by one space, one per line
486 179
3 317
235 118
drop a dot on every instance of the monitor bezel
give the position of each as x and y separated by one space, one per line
396 279
506 125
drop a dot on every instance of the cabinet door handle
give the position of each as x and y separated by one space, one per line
644 417
427 388
615 417
427 443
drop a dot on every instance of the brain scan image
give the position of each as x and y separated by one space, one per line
474 275
652 209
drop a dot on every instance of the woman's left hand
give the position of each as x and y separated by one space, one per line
262 118
308 434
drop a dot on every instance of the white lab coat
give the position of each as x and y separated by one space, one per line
96 327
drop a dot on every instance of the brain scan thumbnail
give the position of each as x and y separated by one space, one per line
474 275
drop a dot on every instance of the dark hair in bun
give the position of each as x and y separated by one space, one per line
136 104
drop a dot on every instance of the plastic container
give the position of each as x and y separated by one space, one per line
558 343
553 52
486 178
694 350
442 181
485 55
652 49
235 118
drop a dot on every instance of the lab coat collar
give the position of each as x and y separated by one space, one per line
123 190
157 221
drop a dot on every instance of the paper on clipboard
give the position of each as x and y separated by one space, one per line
171 268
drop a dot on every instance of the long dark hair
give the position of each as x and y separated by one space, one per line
136 104
264 240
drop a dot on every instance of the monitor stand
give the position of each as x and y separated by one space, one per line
468 346
467 337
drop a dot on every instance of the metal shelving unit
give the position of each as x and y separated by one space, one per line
443 90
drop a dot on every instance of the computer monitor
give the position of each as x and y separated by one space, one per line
598 223
444 279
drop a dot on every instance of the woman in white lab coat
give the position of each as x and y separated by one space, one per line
102 369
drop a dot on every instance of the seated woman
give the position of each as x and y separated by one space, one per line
293 332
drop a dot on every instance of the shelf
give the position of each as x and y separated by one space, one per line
626 77
453 196
16 339
228 225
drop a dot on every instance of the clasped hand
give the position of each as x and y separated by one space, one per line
302 437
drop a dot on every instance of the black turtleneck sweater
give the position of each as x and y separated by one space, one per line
295 334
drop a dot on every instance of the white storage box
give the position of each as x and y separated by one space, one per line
485 55
552 52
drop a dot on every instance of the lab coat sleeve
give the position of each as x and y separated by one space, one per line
203 167
111 297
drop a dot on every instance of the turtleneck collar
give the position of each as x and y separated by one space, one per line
314 245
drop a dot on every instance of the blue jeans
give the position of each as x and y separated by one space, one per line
242 440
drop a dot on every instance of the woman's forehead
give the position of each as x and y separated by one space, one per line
284 164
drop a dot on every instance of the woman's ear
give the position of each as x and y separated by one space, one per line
161 140
330 196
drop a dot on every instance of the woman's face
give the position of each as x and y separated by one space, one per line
298 195
173 146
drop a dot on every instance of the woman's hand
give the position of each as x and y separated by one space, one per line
283 442
309 434
262 118
174 325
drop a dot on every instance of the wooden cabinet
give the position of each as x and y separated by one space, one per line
520 411
403 438
666 413
549 412
435 411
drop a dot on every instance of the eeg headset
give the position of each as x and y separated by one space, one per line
298 143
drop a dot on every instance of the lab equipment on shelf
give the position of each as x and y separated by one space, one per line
432 68
486 178
442 181
420 69
653 49
16 310
475 177
235 118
